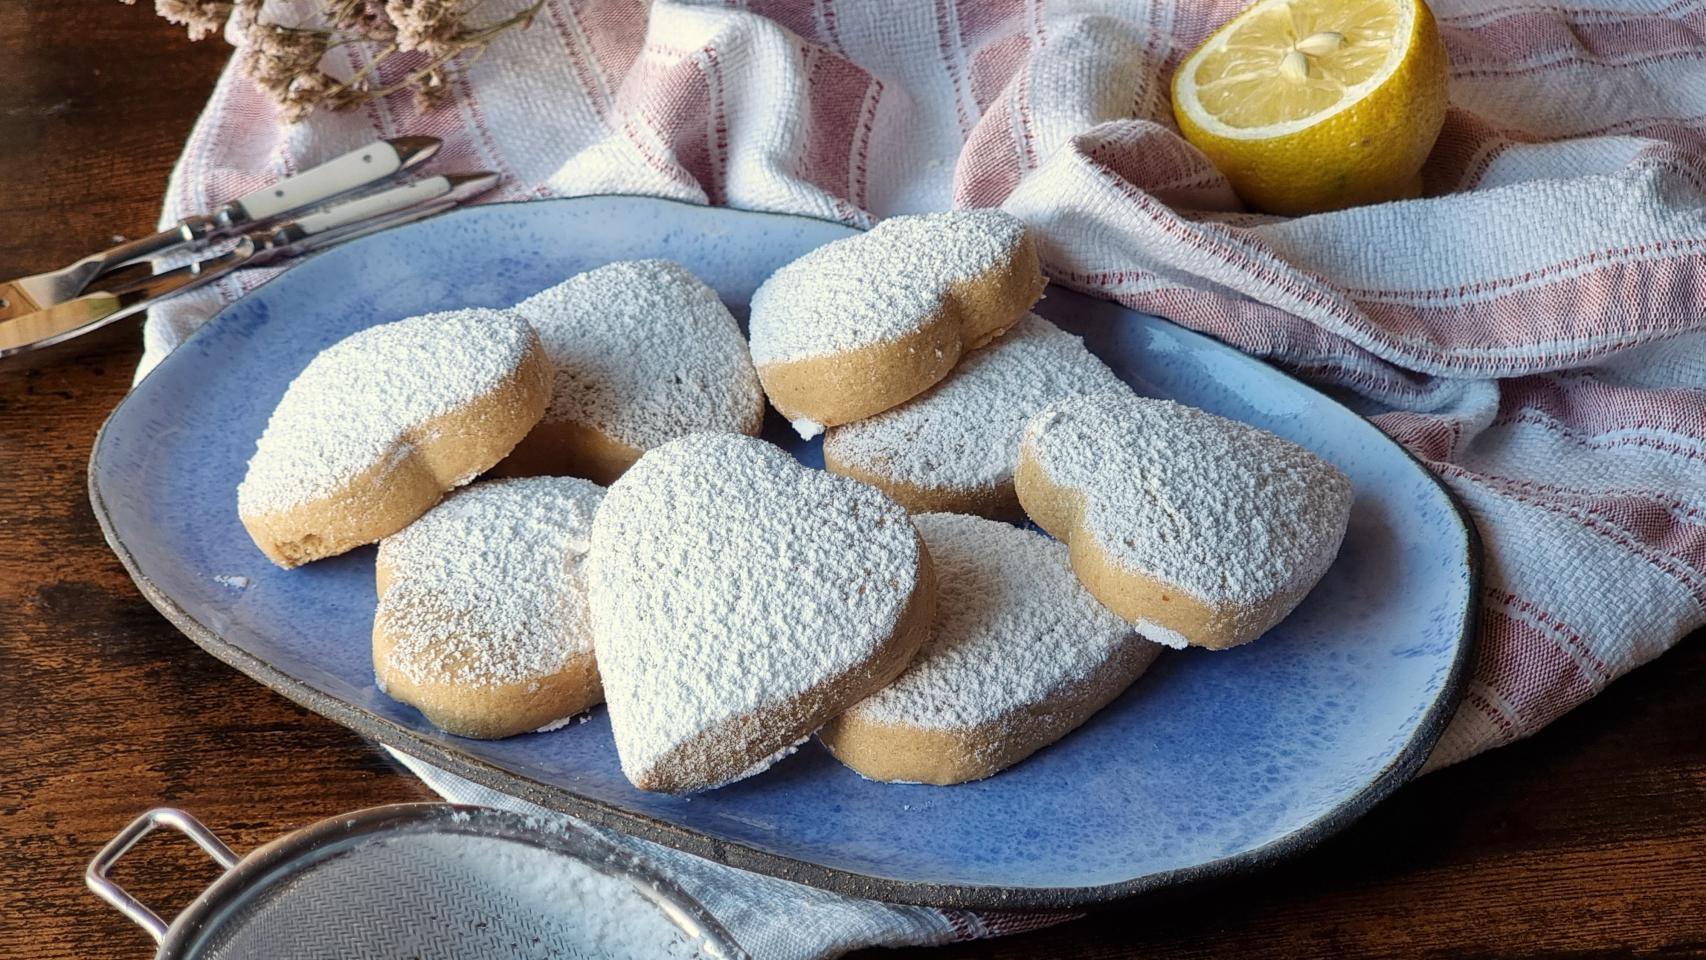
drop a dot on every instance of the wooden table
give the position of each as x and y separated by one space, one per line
1588 840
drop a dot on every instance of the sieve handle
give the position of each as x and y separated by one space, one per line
103 886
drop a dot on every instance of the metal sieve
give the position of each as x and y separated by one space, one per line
422 881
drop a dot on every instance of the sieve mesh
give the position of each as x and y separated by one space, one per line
446 896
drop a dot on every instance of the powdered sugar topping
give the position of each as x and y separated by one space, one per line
727 578
879 286
1226 512
489 587
644 352
1013 626
356 405
964 433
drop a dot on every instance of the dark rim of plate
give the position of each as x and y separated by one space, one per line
1397 771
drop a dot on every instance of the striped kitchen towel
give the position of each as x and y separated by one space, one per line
1534 330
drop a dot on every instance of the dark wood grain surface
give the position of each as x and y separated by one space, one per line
1589 840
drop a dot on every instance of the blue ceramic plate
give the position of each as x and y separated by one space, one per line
1210 763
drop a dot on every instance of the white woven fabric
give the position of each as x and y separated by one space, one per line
771 919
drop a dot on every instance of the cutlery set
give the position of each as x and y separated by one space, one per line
321 206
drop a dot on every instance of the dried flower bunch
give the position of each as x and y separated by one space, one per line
419 37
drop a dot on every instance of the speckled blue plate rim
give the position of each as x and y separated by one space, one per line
1404 764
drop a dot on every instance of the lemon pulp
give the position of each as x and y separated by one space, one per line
1245 83
1317 104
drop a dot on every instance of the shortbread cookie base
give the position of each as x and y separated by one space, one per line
988 305
434 458
953 447
644 352
569 449
472 666
491 711
999 502
439 456
1139 598
906 754
842 387
749 743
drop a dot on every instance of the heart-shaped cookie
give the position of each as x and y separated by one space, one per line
862 324
1019 655
952 448
482 621
381 424
1198 529
644 352
739 601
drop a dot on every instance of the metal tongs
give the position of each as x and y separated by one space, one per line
48 308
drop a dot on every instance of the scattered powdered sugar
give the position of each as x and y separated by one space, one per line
558 724
548 903
1227 512
355 405
232 581
489 586
806 428
644 352
879 286
1166 637
1013 626
725 578
964 433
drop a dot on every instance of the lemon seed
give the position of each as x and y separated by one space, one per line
1320 44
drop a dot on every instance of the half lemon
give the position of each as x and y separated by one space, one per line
1310 105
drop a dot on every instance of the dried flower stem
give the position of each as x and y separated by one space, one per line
470 45
285 60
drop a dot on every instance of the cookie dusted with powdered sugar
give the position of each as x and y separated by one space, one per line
482 622
739 601
1199 530
643 352
953 448
381 424
863 324
1019 655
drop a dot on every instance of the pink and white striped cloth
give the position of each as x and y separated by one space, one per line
1535 330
